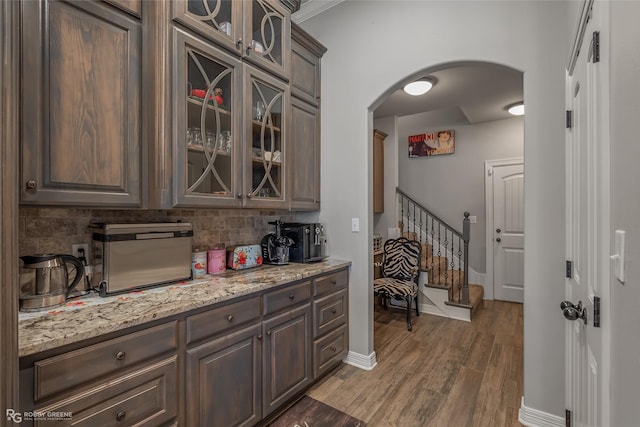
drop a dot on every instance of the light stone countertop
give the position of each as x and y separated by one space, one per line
92 315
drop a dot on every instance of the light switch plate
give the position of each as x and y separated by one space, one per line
618 256
355 225
473 219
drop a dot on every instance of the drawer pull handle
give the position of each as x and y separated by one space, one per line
120 355
292 296
334 281
230 318
334 311
120 416
259 337
333 349
269 332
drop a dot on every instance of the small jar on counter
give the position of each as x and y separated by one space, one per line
198 264
216 262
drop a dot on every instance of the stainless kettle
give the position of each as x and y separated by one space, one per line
50 286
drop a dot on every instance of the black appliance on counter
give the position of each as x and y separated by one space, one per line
275 246
309 241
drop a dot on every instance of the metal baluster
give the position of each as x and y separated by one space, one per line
432 266
466 235
413 221
460 260
401 209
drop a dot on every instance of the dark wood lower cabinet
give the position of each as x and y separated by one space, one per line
287 356
223 380
234 364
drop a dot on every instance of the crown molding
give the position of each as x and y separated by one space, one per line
311 8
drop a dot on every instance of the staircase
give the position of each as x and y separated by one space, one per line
444 286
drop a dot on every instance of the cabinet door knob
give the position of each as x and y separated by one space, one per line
333 349
120 416
269 332
334 311
239 43
259 337
292 296
239 195
334 281
120 355
230 318
32 185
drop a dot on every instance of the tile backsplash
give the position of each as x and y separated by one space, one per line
54 230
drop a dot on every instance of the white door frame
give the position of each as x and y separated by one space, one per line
488 205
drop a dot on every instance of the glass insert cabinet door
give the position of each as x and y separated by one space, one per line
221 20
267 38
206 130
259 30
266 152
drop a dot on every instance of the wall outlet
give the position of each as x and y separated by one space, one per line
76 252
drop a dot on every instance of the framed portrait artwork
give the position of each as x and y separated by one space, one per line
432 144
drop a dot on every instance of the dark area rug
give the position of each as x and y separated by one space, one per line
308 412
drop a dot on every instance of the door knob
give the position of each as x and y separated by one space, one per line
498 230
574 312
565 304
498 239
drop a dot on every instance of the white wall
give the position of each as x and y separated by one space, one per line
449 185
625 210
375 45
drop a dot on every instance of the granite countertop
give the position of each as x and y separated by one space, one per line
92 315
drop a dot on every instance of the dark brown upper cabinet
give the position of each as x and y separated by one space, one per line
81 141
257 30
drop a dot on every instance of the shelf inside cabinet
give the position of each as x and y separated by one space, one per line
201 149
195 110
257 126
260 160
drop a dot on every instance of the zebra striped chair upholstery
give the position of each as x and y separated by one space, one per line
400 272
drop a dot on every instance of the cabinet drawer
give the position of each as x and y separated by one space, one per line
287 297
329 350
330 283
221 319
146 397
329 312
70 369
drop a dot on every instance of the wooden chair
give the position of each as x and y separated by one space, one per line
400 273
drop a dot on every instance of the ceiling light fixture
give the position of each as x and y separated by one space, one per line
419 87
516 109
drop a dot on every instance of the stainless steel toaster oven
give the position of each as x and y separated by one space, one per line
134 256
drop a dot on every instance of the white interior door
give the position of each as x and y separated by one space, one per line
508 232
587 223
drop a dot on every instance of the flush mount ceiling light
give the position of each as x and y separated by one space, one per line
419 87
516 109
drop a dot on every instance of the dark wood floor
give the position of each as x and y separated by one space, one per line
445 373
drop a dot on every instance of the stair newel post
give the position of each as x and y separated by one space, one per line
466 235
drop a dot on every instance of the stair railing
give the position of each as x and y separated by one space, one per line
447 261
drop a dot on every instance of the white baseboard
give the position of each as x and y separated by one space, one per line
361 361
534 418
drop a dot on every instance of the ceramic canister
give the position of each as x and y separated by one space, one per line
216 261
198 265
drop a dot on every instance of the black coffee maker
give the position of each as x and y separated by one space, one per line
275 246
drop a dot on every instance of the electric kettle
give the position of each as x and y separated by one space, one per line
50 286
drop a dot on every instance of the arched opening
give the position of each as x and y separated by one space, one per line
469 99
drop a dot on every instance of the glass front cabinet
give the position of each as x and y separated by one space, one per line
206 124
264 183
228 116
258 30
